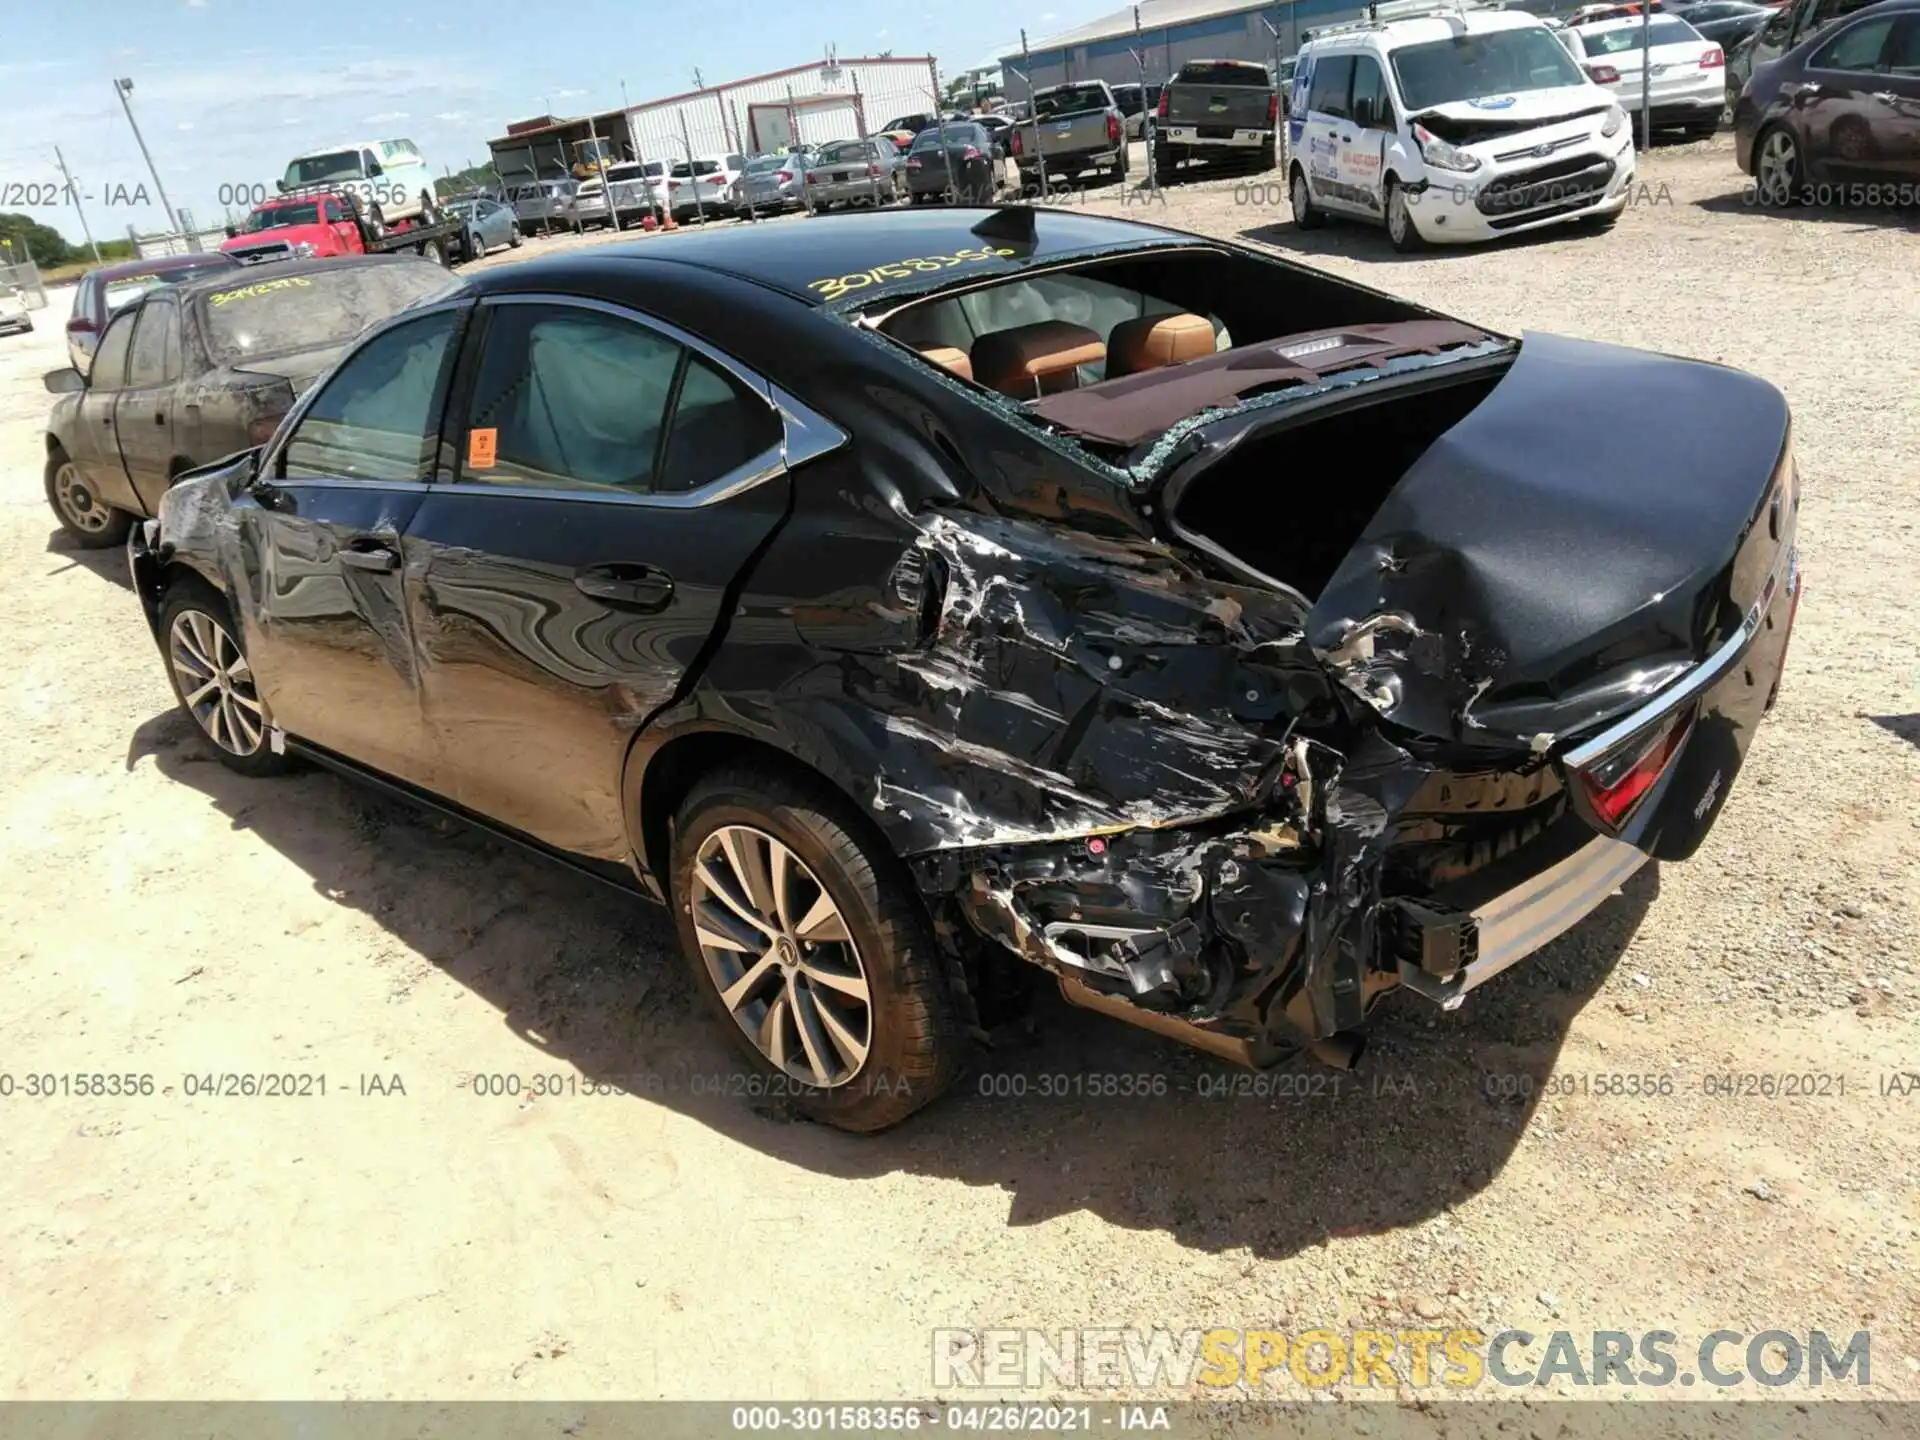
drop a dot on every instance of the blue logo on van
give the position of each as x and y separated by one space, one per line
1494 102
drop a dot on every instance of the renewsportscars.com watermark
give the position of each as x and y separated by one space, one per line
1450 1359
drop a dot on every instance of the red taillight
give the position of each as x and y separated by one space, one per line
786 177
81 325
812 179
1273 108
873 170
1603 74
1113 129
913 162
1019 147
1620 781
1160 110
971 153
673 184
1714 59
261 430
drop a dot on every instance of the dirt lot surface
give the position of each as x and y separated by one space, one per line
164 917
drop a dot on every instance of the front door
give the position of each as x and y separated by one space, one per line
614 481
1897 93
144 416
326 623
1363 159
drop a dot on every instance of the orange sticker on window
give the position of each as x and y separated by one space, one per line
481 447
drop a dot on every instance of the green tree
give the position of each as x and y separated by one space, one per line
24 238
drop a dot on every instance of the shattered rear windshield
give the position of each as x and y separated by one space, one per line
323 307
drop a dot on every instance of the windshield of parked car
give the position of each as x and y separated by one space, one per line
256 317
1614 40
1221 72
1466 67
318 169
1069 100
957 132
277 217
699 167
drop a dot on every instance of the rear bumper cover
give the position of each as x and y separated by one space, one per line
1197 137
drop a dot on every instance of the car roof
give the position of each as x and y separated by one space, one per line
160 265
883 248
1394 33
286 269
1623 22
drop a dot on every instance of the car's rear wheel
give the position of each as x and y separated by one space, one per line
1777 172
92 522
212 680
515 238
813 950
1306 215
434 251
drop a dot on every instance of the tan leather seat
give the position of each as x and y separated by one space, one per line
948 357
1151 341
1028 361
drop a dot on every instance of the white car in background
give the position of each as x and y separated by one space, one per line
391 177
14 318
1452 123
1686 82
706 185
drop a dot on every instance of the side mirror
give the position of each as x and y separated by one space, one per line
374 170
281 186
64 381
233 232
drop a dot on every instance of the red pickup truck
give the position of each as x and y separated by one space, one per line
312 223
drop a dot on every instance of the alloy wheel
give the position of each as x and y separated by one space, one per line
79 506
1399 219
781 957
1779 165
216 683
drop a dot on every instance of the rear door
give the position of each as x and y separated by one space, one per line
1849 109
614 479
144 415
325 618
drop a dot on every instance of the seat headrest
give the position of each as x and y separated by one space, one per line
1151 341
948 357
1028 361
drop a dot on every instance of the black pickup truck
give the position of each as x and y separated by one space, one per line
1217 110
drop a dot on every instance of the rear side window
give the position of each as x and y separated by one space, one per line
718 426
109 371
1903 55
1332 80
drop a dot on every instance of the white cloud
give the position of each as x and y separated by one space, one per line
568 94
386 117
185 125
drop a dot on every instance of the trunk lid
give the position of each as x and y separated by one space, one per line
1590 532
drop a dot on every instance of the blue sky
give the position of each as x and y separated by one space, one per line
226 91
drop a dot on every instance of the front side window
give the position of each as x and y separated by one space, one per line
109 370
577 398
155 343
1858 48
1332 82
379 416
1371 108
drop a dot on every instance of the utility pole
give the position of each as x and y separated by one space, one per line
1646 75
73 189
123 88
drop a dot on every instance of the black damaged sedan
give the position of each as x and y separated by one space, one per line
923 602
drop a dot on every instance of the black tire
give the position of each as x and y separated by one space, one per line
916 1043
434 250
514 238
1402 233
1269 157
236 709
376 221
93 524
1306 215
429 212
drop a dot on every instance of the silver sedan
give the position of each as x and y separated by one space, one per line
856 172
773 183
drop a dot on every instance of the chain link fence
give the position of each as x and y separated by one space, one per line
25 277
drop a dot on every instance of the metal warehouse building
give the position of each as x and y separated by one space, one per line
1168 33
826 100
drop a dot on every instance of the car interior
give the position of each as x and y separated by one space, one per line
1118 350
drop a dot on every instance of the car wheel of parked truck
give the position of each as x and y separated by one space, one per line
212 681
803 932
82 514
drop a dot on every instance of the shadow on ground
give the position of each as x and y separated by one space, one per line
1905 727
1277 1163
108 563
1743 202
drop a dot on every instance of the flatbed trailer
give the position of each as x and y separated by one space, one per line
443 241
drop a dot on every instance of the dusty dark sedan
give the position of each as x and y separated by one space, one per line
195 371
103 293
921 602
952 162
1836 120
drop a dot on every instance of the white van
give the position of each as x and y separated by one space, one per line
391 177
1450 123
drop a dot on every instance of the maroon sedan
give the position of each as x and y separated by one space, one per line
104 292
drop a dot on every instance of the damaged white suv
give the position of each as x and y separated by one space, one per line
1450 124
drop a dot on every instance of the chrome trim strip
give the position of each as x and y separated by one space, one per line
1704 676
1519 922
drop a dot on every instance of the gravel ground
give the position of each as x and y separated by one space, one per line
166 917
